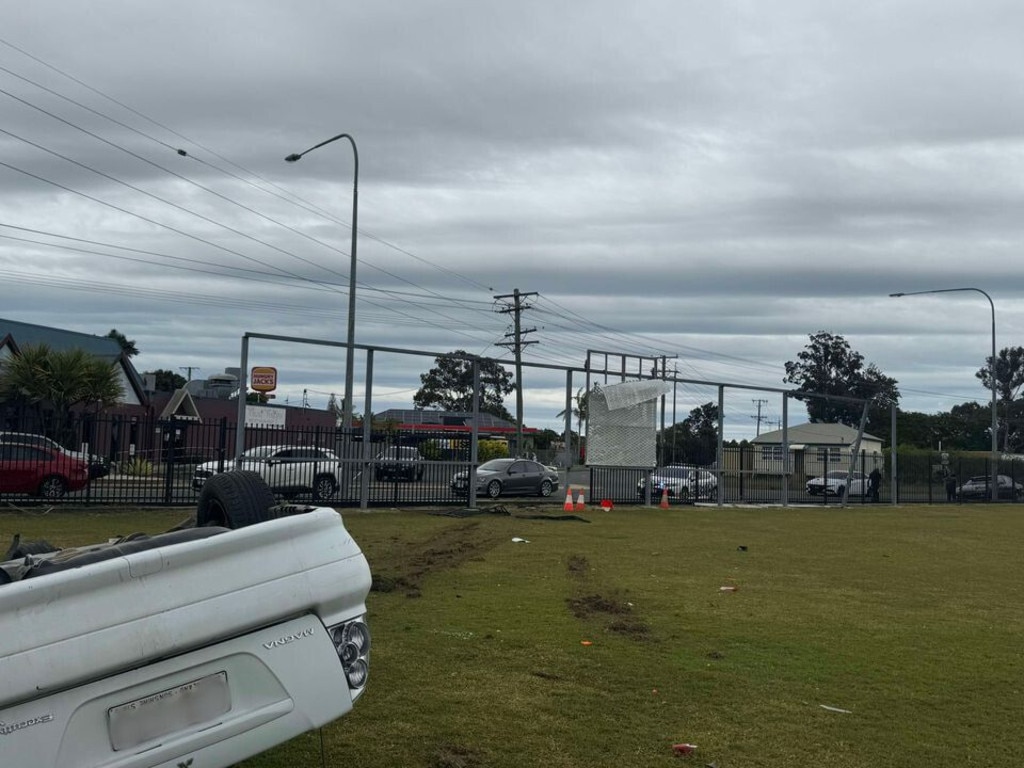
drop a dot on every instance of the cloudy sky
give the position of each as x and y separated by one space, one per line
709 181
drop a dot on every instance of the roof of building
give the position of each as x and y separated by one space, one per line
413 418
24 334
15 335
815 434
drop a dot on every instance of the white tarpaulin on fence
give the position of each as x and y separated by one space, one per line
621 423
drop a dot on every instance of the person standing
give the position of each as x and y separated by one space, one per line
951 487
874 483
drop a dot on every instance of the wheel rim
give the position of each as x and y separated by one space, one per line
323 489
545 488
52 488
494 489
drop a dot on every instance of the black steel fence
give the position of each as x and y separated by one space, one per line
164 462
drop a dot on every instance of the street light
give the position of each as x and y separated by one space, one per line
992 376
346 409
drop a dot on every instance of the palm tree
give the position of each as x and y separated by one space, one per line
127 345
52 382
580 413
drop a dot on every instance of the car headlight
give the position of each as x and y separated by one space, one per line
352 644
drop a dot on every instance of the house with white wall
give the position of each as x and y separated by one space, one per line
814 449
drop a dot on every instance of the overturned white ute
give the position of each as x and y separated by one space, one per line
197 647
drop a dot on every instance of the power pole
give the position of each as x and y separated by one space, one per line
189 368
516 345
758 403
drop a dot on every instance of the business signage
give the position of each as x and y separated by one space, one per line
263 378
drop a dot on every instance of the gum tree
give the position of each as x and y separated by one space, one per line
829 366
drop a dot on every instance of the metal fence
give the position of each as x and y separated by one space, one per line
166 472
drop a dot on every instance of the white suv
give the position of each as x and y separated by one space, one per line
287 469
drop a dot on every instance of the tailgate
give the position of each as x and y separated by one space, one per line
83 624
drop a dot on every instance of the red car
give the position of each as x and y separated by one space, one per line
40 471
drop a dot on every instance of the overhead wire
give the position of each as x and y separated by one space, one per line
569 321
183 178
180 152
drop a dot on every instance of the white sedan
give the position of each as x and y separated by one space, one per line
834 484
681 481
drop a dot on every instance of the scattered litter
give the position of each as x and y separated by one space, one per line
742 547
607 505
836 709
684 749
585 642
654 691
517 540
727 589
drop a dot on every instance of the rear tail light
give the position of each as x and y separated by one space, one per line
352 644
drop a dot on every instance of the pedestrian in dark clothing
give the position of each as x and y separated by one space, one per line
874 483
950 487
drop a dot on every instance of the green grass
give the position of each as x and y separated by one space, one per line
910 618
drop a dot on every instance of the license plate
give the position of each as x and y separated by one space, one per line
175 709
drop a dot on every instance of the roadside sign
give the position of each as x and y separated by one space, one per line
263 378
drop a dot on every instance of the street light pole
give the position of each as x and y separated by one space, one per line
992 376
350 343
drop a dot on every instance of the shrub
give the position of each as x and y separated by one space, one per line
138 467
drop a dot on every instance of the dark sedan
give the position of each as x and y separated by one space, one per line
980 487
509 477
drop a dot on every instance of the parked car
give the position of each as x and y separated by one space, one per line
834 484
509 477
40 471
287 469
681 481
980 487
98 466
400 462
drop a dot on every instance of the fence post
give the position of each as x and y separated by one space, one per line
168 456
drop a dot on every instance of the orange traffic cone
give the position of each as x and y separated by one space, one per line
664 498
567 507
580 503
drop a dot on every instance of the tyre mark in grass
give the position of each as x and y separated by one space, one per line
445 550
608 605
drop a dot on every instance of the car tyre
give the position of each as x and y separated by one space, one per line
494 489
546 488
234 499
324 487
53 487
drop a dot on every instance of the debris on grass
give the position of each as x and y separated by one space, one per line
684 749
586 642
519 540
836 709
728 588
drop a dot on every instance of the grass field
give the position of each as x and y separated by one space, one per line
605 643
